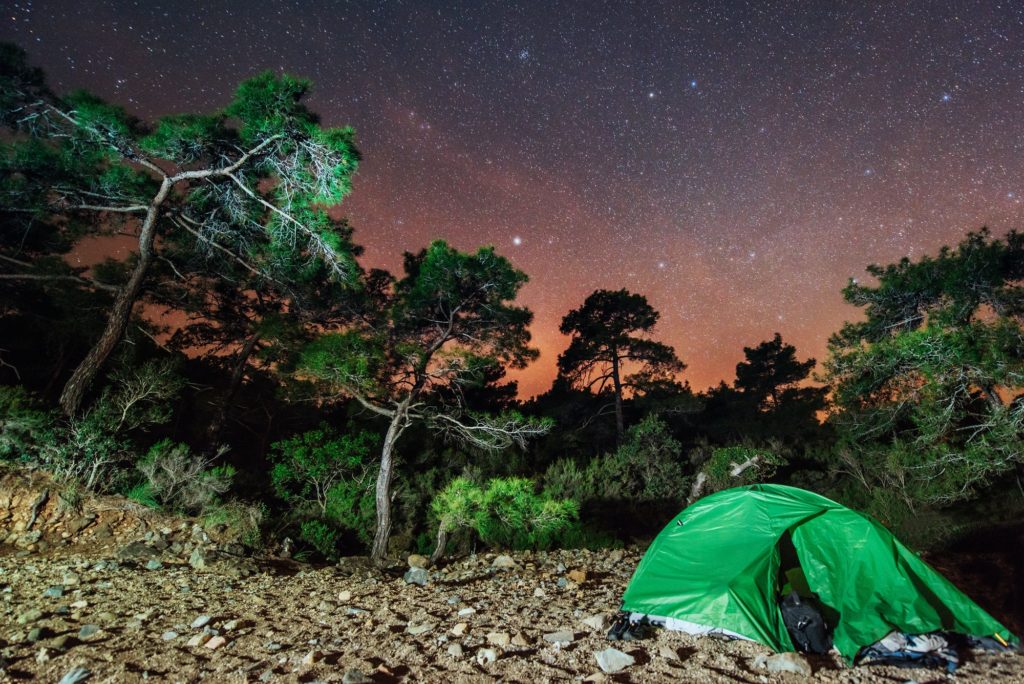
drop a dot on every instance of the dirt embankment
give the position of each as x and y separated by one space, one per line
130 596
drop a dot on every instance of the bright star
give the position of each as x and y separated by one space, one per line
517 241
693 84
946 97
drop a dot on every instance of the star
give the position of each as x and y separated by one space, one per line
517 241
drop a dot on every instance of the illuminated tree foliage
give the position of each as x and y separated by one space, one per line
929 385
244 186
422 340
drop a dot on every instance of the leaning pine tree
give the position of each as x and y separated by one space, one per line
246 184
441 328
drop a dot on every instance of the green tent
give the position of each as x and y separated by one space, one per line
720 565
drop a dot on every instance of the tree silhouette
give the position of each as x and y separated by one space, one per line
608 339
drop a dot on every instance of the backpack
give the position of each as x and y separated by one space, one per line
805 624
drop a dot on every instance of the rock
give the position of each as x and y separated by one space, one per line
230 625
788 662
418 576
154 564
75 675
538 593
455 650
30 615
215 643
668 653
312 657
199 559
596 678
418 561
137 550
355 676
169 635
486 656
87 631
43 656
460 629
560 638
612 660
501 639
197 640
577 576
345 596
63 642
78 605
616 556
504 562
37 634
520 641
463 612
598 623
415 629
56 591
200 622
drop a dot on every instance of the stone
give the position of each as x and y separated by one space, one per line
486 656
56 591
169 635
75 675
345 596
560 638
455 650
78 605
30 615
230 625
463 612
418 576
520 641
199 559
312 657
415 629
538 593
668 653
63 642
612 660
596 678
200 622
137 550
43 656
37 634
153 564
616 556
577 576
88 630
418 561
215 643
598 623
197 640
355 676
501 639
788 662
460 629
504 562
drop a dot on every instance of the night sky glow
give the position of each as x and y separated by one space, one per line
735 162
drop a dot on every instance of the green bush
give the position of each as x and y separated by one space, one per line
507 513
182 480
725 461
24 425
327 478
238 520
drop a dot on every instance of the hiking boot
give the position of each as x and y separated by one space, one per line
619 627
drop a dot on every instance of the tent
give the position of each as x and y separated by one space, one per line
720 565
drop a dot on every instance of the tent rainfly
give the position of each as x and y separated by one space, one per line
719 567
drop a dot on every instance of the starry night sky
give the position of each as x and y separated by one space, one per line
735 162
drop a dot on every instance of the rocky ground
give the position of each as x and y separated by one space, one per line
130 596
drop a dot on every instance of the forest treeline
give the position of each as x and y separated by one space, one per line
302 396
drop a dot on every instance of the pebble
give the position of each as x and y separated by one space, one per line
668 653
215 643
56 591
345 596
75 675
460 628
784 662
87 631
463 612
504 562
418 576
418 561
355 676
596 622
30 615
455 650
486 656
169 635
415 629
153 564
612 660
560 638
501 639
197 640
312 657
201 622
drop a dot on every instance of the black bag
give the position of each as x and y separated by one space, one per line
805 624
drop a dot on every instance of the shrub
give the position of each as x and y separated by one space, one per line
183 480
321 537
734 466
239 520
24 425
507 513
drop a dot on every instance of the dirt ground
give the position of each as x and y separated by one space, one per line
131 597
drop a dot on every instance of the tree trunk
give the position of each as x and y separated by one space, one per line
617 382
383 489
442 542
74 391
237 375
